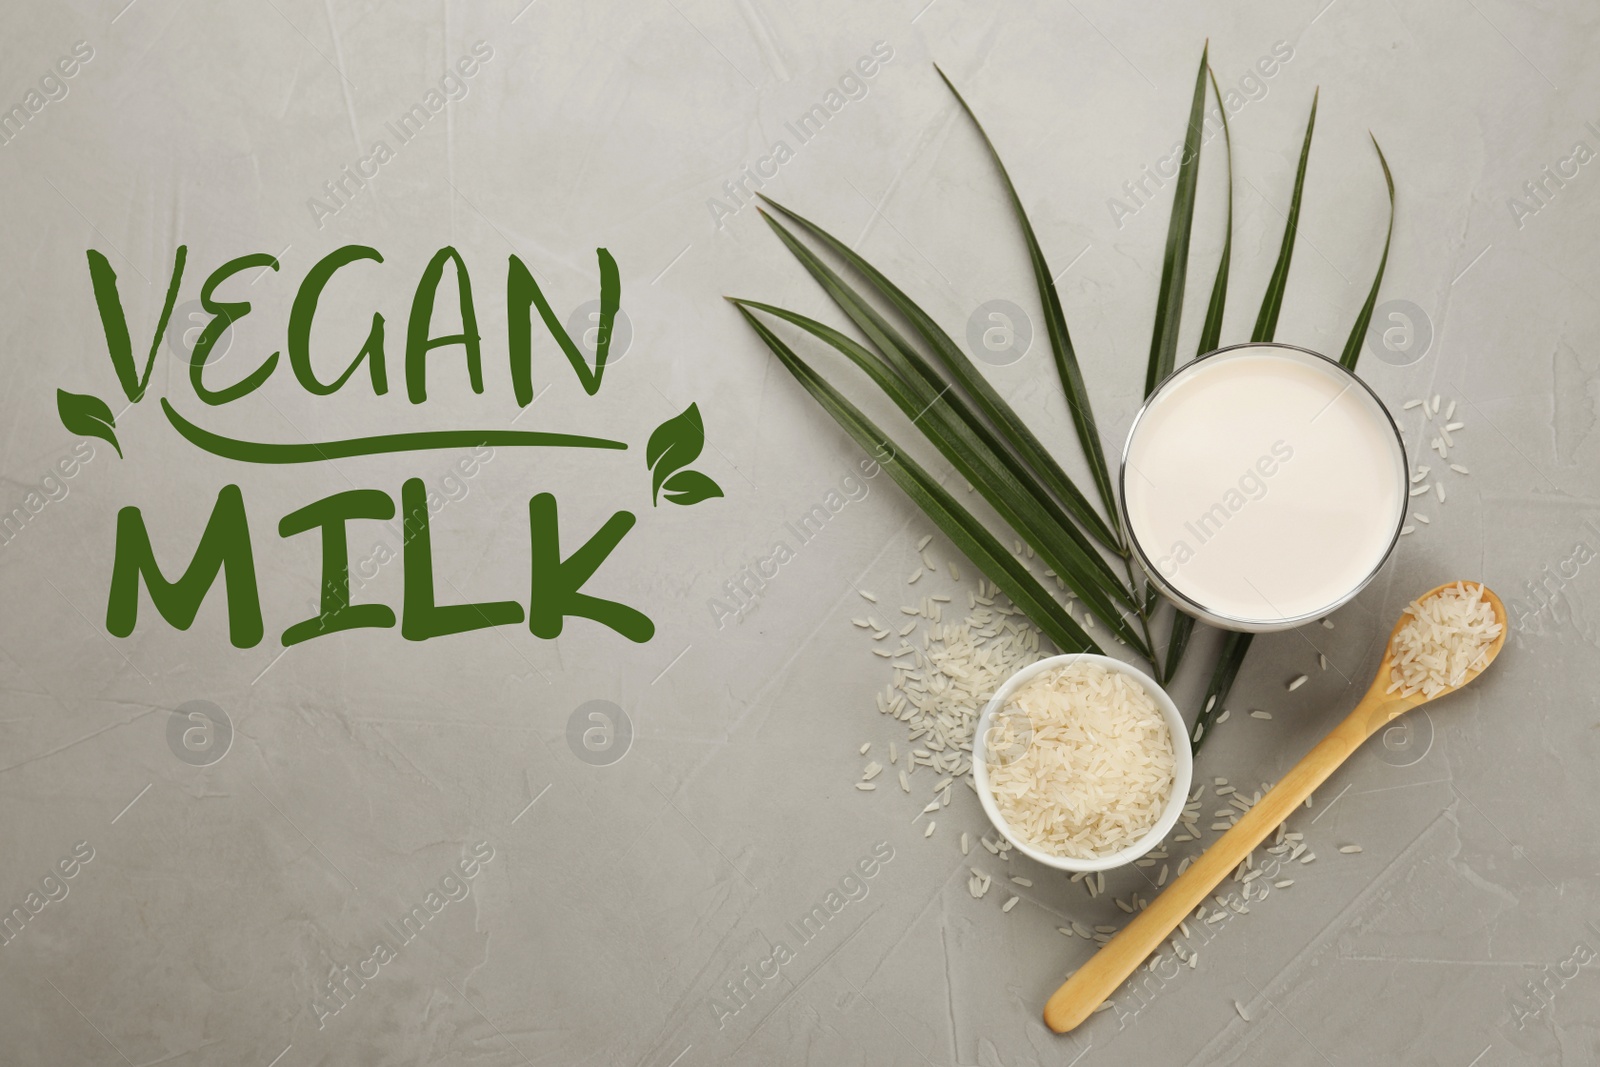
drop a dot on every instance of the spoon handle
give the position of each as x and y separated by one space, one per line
1091 984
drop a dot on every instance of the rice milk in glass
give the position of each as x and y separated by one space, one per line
1263 486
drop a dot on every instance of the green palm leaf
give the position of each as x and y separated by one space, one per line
918 374
1211 331
934 383
1056 325
1358 334
1272 303
963 529
1234 647
997 484
1177 644
955 361
1175 263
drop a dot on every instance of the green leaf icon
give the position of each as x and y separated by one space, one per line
690 487
674 445
87 415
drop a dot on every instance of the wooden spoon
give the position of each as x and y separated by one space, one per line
1092 983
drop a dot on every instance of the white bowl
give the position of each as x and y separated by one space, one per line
1182 770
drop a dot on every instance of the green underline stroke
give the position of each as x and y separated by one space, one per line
317 451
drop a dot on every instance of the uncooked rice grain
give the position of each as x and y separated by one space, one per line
1098 770
1445 637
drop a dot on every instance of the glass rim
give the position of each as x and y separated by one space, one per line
1221 618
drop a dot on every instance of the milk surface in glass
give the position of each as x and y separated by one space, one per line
1264 484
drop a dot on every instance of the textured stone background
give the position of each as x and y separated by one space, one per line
616 907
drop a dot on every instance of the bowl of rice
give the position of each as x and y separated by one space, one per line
1082 762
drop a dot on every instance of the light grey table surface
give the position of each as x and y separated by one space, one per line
229 887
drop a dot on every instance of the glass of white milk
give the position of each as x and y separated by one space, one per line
1263 486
